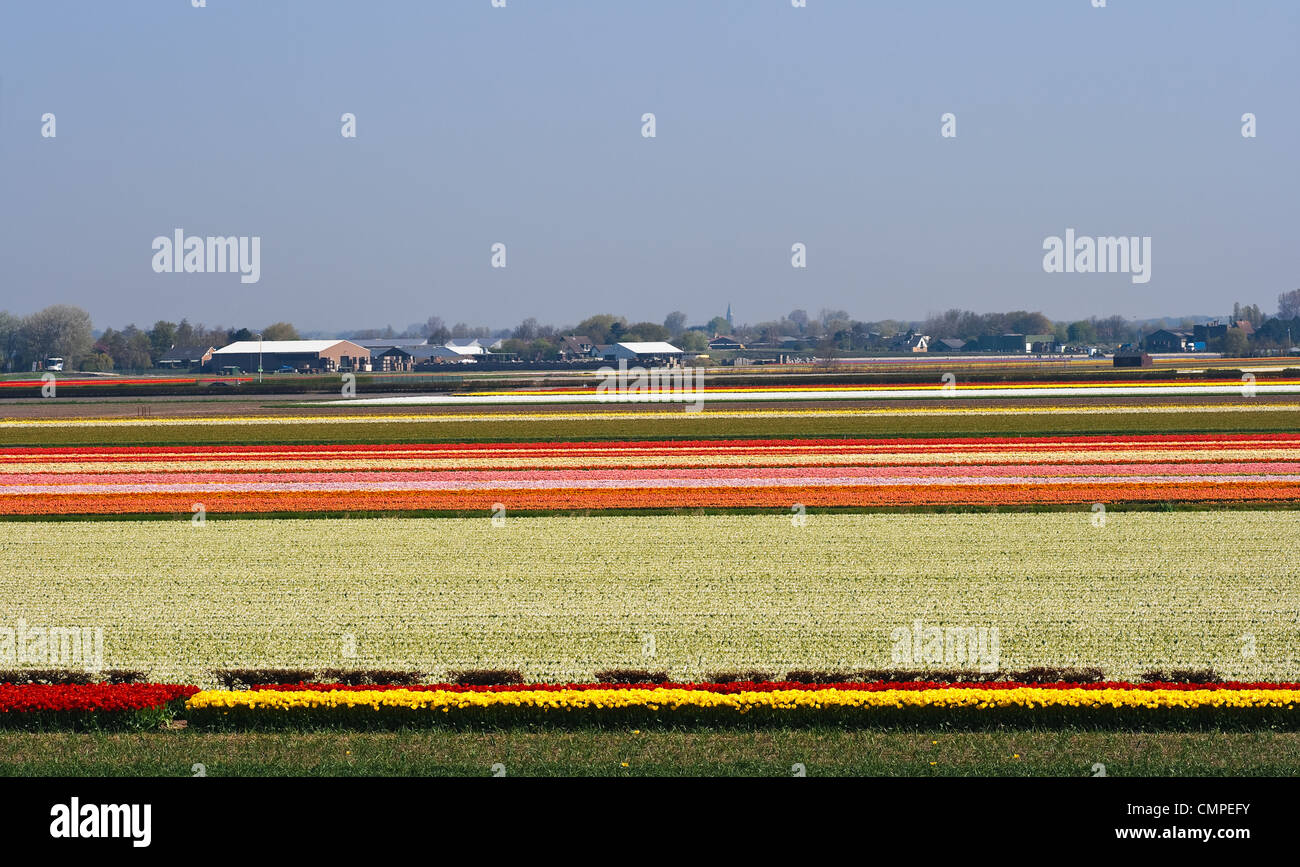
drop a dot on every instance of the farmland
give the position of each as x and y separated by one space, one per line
562 597
647 474
88 428
445 567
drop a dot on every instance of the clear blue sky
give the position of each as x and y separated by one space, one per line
522 125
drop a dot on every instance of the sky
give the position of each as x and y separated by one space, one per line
522 126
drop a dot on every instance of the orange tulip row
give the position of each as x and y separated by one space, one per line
646 498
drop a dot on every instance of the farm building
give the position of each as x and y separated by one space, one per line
1003 343
725 341
466 347
576 346
302 355
947 344
910 342
1132 359
1168 341
393 353
186 357
651 352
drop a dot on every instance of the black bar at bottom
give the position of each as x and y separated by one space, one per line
301 816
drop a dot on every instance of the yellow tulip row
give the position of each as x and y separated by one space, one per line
742 702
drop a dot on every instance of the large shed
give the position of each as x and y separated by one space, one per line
324 356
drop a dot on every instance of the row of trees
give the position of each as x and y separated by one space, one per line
59 330
66 331
832 331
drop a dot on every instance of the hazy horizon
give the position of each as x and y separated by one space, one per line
522 125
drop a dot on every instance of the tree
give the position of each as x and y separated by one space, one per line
162 337
1234 344
598 327
242 334
436 331
284 331
97 361
675 322
11 340
692 341
462 331
184 335
1082 331
543 350
718 325
647 331
526 330
1288 304
59 330
1024 322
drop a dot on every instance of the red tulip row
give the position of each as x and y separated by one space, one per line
41 697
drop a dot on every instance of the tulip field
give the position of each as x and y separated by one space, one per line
560 598
1126 565
645 474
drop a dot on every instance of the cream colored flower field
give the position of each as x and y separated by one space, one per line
562 597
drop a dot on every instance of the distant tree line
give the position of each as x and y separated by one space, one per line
65 331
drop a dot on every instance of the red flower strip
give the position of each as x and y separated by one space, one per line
37 697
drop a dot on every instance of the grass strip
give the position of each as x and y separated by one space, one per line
644 753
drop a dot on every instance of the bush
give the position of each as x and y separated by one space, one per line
905 675
1182 675
369 677
58 676
739 677
631 675
487 677
1047 674
807 676
236 678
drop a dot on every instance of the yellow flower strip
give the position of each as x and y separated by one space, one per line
741 702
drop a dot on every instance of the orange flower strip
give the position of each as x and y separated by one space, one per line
651 474
643 498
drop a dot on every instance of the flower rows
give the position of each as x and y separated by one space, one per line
781 497
146 705
37 697
773 686
742 701
841 706
641 474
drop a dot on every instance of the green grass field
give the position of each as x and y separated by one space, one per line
653 753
